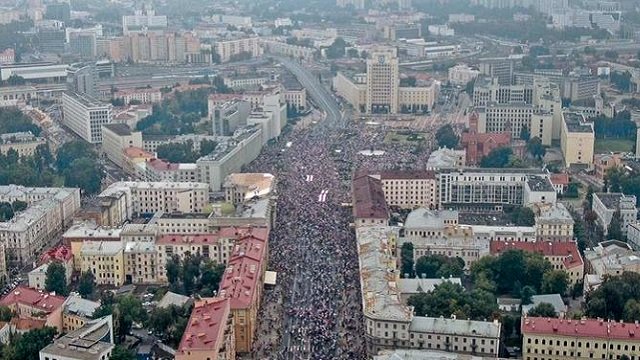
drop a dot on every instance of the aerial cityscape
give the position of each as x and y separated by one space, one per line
319 179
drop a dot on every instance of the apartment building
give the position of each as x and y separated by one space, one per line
77 234
182 223
240 187
243 283
230 156
139 197
105 260
512 117
62 255
144 20
139 232
229 117
462 74
49 212
85 116
209 334
500 68
562 255
24 143
93 341
352 88
33 304
77 312
284 49
555 339
554 223
577 139
390 324
158 170
436 232
116 138
140 263
409 189
144 96
608 258
229 50
605 205
214 246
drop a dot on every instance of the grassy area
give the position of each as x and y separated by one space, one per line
617 145
411 137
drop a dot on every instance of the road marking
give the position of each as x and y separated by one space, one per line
323 196
309 178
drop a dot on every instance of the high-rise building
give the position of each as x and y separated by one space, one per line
144 21
382 81
85 115
501 68
81 79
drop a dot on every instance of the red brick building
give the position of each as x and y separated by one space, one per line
478 145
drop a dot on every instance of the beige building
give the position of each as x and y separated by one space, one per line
559 339
228 50
409 189
105 260
24 143
352 89
240 187
390 324
209 335
144 96
139 197
49 212
295 51
76 312
116 138
77 234
437 232
553 223
159 170
462 74
141 263
577 140
382 81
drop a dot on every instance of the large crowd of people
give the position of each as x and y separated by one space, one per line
315 310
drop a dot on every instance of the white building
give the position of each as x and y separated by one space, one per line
49 212
605 205
93 341
462 74
85 116
227 50
144 21
116 138
24 143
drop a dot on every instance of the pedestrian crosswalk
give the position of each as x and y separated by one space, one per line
309 178
323 196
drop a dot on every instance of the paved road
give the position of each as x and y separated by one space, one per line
320 95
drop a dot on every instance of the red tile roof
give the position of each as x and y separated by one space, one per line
135 152
368 198
208 320
559 179
33 298
211 238
589 328
27 324
60 253
243 273
162 165
567 249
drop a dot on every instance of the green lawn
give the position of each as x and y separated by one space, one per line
617 145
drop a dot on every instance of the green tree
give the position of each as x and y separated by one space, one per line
447 137
555 282
535 148
122 353
56 279
174 269
210 277
631 311
6 313
614 230
86 284
353 53
6 211
85 174
28 345
69 152
406 260
448 298
130 310
525 134
508 325
178 152
18 205
543 310
497 158
608 301
337 49
526 294
207 147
